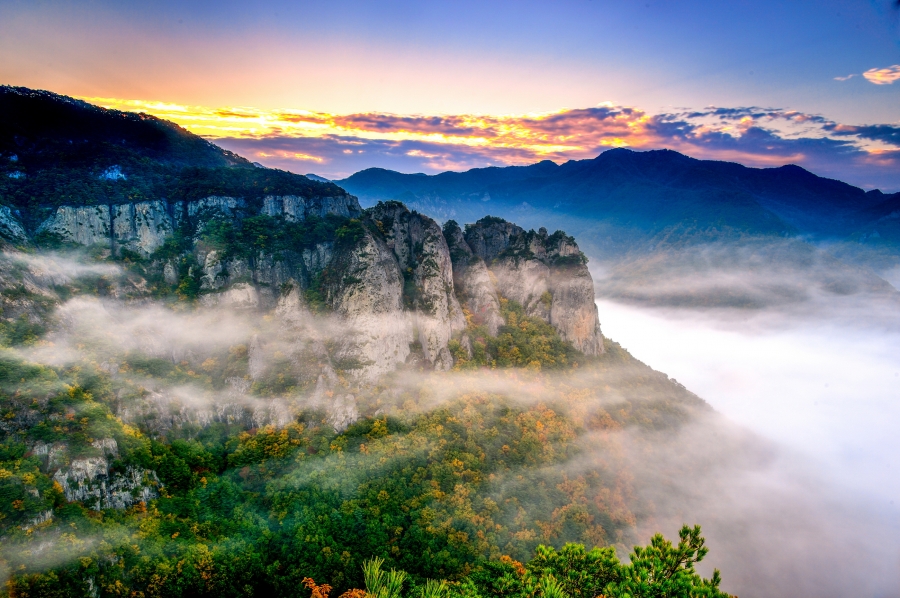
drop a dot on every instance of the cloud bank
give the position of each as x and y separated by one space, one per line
335 145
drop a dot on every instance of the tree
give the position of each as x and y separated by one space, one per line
662 570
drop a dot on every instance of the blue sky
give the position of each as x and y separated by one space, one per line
472 58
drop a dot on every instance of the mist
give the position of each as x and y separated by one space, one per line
800 354
792 476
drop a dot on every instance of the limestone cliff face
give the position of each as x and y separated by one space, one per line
546 274
364 285
490 236
141 227
144 226
11 227
163 410
90 480
391 282
424 260
473 281
309 353
295 207
84 225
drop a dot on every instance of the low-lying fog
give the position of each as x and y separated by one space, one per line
807 357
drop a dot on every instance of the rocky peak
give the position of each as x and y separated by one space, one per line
546 274
473 282
424 260
364 285
490 236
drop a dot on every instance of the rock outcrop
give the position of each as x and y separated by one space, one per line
11 227
546 274
472 279
394 280
84 225
364 285
89 479
162 409
294 207
424 260
143 227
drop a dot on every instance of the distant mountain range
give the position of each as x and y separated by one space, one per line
623 197
57 150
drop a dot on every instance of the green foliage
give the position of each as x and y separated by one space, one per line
249 237
661 570
434 589
349 234
523 342
440 495
381 583
314 294
267 443
579 573
20 331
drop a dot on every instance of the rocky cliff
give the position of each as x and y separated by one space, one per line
90 480
364 284
424 259
399 282
143 227
546 274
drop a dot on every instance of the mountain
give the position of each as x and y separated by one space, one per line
41 127
218 380
55 150
315 177
882 220
623 197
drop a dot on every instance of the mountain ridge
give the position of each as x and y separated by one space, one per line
646 192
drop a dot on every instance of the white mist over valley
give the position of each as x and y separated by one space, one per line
818 381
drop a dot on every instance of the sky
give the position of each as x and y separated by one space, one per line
336 87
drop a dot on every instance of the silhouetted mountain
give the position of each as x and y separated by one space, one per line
643 193
57 150
882 221
40 124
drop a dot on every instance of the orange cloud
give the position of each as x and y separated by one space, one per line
885 76
751 136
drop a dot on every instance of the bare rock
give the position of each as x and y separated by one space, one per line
472 280
296 208
546 274
342 412
85 225
424 259
11 227
364 286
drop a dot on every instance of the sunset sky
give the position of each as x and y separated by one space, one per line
335 87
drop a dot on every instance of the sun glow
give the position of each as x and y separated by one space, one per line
755 137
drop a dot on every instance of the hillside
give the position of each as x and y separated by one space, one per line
55 150
224 380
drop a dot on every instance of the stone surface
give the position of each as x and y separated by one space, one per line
365 286
84 225
424 260
296 208
546 274
142 227
474 286
11 227
89 481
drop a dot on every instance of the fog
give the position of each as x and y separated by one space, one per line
829 391
813 374
793 476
